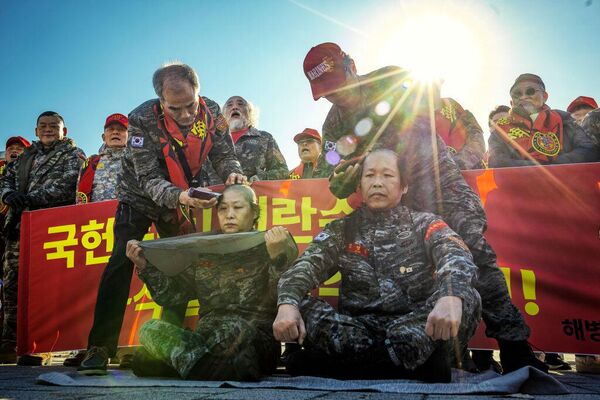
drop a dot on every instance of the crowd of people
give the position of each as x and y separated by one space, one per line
417 272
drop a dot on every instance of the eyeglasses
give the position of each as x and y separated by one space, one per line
530 91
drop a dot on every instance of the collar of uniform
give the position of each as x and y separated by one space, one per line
113 151
252 132
392 214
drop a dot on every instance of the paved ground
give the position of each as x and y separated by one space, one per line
19 383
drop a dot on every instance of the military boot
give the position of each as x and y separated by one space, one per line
518 354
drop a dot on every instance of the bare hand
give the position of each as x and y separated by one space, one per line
253 179
443 321
276 241
187 200
135 253
288 325
234 178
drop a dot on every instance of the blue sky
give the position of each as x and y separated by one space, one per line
87 59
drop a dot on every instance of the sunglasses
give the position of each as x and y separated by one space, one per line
530 91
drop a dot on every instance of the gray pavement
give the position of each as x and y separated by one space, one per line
19 383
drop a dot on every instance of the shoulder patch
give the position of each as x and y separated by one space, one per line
330 146
221 123
321 237
137 142
434 227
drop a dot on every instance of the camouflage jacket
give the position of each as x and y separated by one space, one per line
107 172
244 284
408 133
390 262
591 125
577 147
454 123
259 156
144 183
321 169
48 176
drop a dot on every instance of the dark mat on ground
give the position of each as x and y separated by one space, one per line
525 380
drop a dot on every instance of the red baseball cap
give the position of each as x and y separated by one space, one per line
18 140
118 118
325 67
308 133
582 101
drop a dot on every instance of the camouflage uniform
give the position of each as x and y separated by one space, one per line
435 184
233 338
577 147
259 156
107 172
591 125
48 178
146 196
461 121
321 169
395 265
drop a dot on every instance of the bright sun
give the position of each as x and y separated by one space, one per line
434 42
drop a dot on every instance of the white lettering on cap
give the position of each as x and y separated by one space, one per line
326 65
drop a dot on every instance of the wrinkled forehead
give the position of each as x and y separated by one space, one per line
381 160
236 100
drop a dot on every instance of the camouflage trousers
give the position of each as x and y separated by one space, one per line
502 319
10 284
354 337
221 348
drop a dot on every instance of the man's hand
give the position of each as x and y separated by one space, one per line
234 178
288 325
135 253
276 241
187 200
443 321
345 178
16 199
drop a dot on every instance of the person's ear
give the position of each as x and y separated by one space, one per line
511 104
103 137
65 131
545 96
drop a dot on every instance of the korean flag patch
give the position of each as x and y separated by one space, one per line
321 237
137 142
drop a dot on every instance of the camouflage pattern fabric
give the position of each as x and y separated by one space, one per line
470 156
10 282
259 156
577 147
223 347
48 177
144 183
435 184
233 338
591 126
322 169
107 172
398 264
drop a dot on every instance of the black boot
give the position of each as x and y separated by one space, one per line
518 354
436 369
484 360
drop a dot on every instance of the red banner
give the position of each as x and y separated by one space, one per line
543 223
